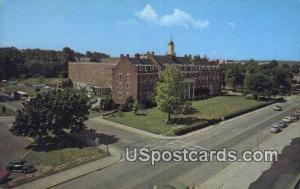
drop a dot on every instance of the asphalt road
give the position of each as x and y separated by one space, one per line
240 134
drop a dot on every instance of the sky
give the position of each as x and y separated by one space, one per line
231 29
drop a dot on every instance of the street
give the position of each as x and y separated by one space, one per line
240 134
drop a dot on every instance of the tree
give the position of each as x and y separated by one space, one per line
258 84
233 75
106 103
169 91
69 54
54 113
282 78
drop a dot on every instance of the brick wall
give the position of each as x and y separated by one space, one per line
99 74
124 82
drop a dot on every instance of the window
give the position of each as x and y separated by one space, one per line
119 94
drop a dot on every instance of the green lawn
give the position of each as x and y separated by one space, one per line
63 156
215 108
62 152
153 120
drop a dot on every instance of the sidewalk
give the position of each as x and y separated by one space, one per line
242 174
70 174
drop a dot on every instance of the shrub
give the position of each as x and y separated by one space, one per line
106 103
187 108
128 105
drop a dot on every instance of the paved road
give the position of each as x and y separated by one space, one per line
241 134
11 147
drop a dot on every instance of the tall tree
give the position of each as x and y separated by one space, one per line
258 84
169 90
233 75
52 113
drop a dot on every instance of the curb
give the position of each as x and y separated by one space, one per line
111 164
39 183
161 137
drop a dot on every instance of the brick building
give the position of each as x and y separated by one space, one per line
136 76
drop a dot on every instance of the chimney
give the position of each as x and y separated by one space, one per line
152 53
137 55
121 55
127 55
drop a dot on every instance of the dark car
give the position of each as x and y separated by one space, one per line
4 176
21 166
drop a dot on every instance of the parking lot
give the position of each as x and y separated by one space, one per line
11 147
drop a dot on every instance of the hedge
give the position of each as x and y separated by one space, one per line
201 125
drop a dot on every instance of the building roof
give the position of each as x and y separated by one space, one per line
140 61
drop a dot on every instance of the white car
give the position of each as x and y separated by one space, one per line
275 129
288 119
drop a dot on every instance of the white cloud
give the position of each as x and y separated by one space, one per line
148 14
232 24
177 18
127 22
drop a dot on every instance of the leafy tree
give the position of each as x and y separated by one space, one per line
233 75
169 91
69 54
282 78
258 84
295 68
106 103
52 114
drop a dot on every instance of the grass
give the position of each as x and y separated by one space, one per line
62 152
62 156
217 107
153 120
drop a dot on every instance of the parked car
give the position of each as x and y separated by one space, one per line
282 123
294 118
287 119
277 108
297 114
279 125
275 129
4 176
21 166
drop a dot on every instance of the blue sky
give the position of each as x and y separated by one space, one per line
231 29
